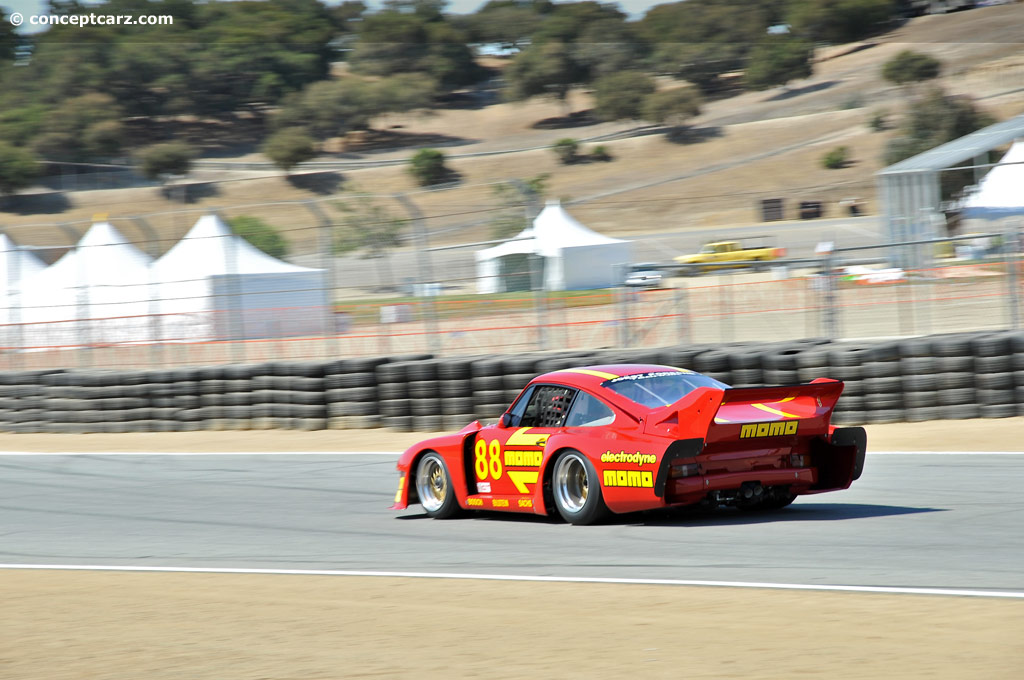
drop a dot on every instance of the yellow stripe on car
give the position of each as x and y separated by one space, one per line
587 371
521 438
523 477
776 411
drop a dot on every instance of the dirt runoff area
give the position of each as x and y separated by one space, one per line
134 626
1003 434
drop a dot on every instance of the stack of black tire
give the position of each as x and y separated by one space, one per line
489 392
845 361
940 377
424 395
352 396
409 394
455 387
519 370
287 395
21 397
393 390
225 395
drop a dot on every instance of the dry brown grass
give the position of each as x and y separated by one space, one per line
117 626
982 434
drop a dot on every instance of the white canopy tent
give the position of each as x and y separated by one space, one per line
574 257
1000 192
98 292
215 284
17 264
212 284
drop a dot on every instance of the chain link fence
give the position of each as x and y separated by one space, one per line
384 275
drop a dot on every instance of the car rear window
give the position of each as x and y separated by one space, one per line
588 411
660 388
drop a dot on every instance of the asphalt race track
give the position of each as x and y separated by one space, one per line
950 521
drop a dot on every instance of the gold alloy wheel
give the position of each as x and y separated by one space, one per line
431 483
572 485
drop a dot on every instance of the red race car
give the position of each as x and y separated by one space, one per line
630 437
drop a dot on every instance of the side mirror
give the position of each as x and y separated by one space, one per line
506 420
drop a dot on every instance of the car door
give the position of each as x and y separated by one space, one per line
506 459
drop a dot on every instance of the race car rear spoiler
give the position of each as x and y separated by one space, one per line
735 414
779 419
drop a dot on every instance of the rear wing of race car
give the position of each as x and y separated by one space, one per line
757 419
735 414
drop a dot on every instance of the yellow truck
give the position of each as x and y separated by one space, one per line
729 254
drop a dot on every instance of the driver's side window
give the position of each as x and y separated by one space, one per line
547 406
519 408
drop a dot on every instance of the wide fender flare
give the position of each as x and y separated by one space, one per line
452 449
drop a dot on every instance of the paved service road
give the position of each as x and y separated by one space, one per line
939 521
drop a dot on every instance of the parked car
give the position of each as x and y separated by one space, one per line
648 278
730 254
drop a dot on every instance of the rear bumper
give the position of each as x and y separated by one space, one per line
689 490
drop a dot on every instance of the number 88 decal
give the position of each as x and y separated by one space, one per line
487 459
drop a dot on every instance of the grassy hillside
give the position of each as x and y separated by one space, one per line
752 146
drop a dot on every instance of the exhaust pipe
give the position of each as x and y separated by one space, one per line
752 490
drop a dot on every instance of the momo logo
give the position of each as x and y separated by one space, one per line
634 478
779 428
523 458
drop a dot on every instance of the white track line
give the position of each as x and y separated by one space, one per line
398 453
945 453
536 579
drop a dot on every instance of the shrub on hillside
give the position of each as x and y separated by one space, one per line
836 158
601 153
620 96
161 160
911 67
672 107
567 150
777 60
18 168
879 121
260 234
289 147
428 167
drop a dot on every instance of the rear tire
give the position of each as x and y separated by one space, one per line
576 489
434 487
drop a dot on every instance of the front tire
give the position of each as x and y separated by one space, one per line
576 489
434 487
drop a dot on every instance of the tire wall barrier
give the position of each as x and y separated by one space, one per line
940 377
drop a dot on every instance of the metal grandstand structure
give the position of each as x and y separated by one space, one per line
909 190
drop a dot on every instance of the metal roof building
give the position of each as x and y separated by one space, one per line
909 190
